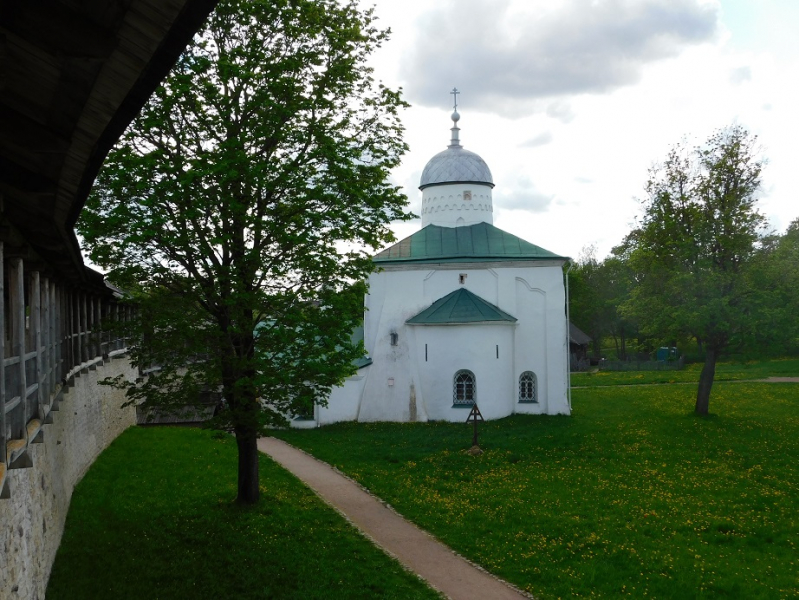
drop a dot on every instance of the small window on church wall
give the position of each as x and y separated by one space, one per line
394 338
464 388
467 195
462 278
527 387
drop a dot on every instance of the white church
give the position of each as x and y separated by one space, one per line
459 313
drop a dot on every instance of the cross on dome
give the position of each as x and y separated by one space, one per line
455 165
455 142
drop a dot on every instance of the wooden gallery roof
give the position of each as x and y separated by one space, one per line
73 74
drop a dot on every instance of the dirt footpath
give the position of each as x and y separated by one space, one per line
415 549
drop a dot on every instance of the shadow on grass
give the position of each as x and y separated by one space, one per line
155 518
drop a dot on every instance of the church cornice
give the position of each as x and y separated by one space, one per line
457 182
456 263
477 243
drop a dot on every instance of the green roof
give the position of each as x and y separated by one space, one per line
461 306
473 243
357 336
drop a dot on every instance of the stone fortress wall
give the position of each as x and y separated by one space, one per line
57 339
88 419
54 343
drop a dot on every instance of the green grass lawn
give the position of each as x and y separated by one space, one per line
153 518
728 371
631 496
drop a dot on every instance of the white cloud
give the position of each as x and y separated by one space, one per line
504 59
740 74
542 139
521 194
561 110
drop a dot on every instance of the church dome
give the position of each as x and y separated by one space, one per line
455 165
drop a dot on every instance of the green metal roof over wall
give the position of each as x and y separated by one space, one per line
357 336
461 306
473 243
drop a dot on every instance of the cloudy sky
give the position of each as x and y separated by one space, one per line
571 101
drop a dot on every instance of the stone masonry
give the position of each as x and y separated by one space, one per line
88 419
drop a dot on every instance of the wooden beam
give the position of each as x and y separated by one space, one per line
66 330
46 350
35 295
187 21
3 488
22 132
93 341
66 31
83 352
16 297
72 304
54 352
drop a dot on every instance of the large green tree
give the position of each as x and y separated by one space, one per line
240 208
698 238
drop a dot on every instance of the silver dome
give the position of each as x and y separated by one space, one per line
455 165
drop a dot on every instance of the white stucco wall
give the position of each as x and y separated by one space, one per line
344 401
403 385
447 206
32 520
485 350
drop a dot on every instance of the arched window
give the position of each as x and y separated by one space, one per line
464 388
527 385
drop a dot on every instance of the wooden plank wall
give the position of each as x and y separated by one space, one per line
48 336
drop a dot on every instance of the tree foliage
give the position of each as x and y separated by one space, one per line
597 288
695 245
240 208
776 269
584 292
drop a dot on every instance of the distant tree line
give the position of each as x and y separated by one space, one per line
600 288
700 269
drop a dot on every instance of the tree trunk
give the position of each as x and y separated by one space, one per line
623 344
237 384
248 490
706 381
